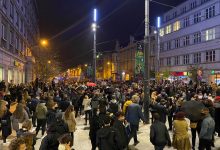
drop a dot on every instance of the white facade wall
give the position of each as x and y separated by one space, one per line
201 27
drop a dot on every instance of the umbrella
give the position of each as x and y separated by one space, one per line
193 109
90 84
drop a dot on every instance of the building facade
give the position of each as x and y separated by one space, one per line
19 33
190 38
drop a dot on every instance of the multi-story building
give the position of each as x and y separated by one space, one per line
19 33
190 38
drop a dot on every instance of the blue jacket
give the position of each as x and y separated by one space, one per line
134 114
207 128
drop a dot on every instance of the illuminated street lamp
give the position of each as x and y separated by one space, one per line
108 63
44 42
86 65
49 62
94 28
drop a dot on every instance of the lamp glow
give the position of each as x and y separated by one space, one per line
158 22
95 15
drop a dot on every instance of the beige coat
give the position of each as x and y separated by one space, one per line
181 137
71 122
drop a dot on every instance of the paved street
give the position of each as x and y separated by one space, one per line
82 141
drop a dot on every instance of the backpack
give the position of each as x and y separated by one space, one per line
95 104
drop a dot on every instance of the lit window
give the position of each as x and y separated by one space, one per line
176 26
168 29
162 32
210 34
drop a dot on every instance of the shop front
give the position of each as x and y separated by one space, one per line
215 76
179 76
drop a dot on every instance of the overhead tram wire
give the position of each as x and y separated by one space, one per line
76 24
86 53
156 2
160 3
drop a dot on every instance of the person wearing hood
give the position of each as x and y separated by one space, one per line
41 112
108 137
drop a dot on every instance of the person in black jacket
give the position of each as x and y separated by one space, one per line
64 103
61 126
51 113
94 127
107 138
159 135
50 141
118 124
5 121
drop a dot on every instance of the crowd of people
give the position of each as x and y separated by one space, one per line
113 112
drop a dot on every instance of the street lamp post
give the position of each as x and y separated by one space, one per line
146 62
94 28
158 45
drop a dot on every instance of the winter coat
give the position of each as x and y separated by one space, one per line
41 111
71 122
50 141
94 127
16 123
162 111
51 117
86 104
63 105
207 128
5 124
181 136
126 104
108 139
113 106
134 114
159 135
95 103
61 127
217 120
123 136
32 105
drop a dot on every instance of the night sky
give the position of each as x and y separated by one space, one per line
67 23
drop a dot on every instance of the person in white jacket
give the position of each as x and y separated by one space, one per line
87 107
